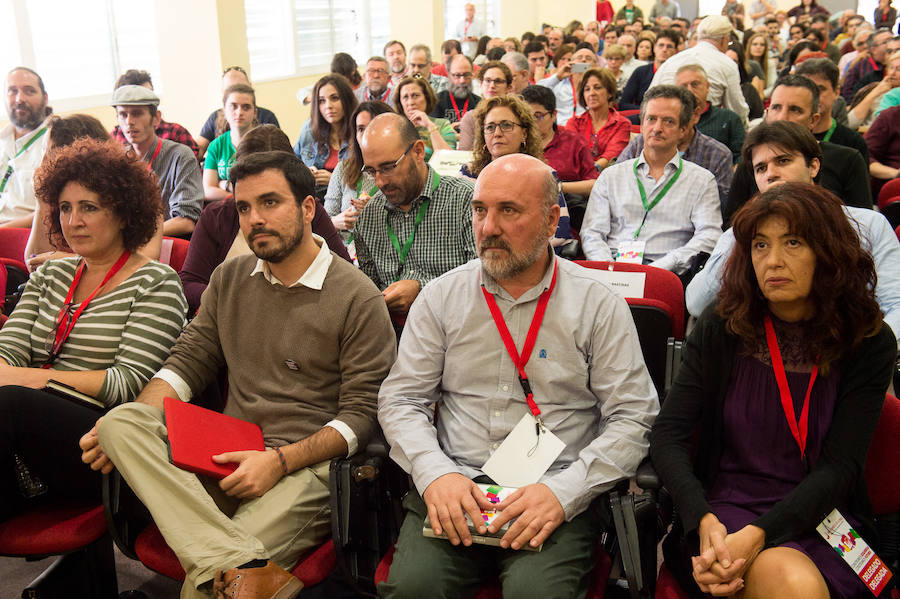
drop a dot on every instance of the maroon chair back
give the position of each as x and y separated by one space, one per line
890 192
660 285
12 242
173 252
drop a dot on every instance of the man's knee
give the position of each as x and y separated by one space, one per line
120 422
525 583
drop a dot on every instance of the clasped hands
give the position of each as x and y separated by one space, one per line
724 558
453 495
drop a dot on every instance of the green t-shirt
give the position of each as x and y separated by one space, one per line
220 155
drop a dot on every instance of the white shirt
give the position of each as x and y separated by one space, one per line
722 72
630 65
688 220
475 29
18 199
566 106
314 278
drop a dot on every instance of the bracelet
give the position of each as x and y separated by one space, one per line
283 462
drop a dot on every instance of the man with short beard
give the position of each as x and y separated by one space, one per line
584 383
377 84
395 54
22 144
418 225
307 341
453 103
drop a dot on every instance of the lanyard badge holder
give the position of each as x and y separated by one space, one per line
403 250
835 529
632 250
530 448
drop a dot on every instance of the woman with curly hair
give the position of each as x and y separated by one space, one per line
783 382
505 125
102 322
324 139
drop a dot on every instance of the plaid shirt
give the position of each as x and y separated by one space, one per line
443 240
703 151
165 130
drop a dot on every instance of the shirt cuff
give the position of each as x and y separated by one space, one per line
182 389
348 435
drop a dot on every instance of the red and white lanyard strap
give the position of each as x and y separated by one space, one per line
155 154
521 360
465 109
64 326
799 429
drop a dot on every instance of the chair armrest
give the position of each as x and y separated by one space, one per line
646 477
125 515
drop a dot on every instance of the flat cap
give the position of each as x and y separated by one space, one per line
134 95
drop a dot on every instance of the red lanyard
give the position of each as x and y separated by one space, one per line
521 361
799 429
874 64
64 326
155 154
456 108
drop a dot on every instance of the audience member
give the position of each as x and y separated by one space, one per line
759 10
751 489
496 80
537 60
415 100
863 110
449 49
22 144
564 82
666 45
554 41
804 11
844 172
469 30
883 139
664 9
631 63
104 205
598 400
885 15
721 71
324 137
218 234
418 225
718 123
872 64
239 103
454 102
757 57
395 54
629 12
274 506
506 125
345 65
518 66
824 74
350 189
165 129
614 55
602 127
626 214
512 44
783 152
216 124
698 148
750 82
377 87
644 50
420 65
176 167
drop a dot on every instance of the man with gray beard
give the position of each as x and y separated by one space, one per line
453 103
22 144
584 391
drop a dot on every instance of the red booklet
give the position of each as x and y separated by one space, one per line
196 434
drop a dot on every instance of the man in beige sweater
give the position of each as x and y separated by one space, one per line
307 341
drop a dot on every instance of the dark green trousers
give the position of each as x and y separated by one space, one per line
434 568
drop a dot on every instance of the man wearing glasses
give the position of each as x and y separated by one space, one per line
420 66
377 82
870 67
419 224
455 102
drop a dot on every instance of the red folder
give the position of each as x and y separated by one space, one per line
196 434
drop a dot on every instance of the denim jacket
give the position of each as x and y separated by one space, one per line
309 152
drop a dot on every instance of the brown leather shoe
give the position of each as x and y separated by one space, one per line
268 582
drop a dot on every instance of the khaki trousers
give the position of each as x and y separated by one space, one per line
206 529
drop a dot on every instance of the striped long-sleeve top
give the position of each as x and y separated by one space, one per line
128 331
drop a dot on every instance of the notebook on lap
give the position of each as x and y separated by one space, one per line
196 434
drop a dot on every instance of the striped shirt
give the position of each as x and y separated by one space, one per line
128 331
443 240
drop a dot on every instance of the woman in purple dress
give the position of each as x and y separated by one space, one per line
766 429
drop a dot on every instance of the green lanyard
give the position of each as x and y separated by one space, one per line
659 196
830 131
9 168
359 188
403 251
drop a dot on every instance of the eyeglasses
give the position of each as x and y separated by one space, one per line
416 66
505 126
489 81
461 75
540 116
376 71
238 69
386 169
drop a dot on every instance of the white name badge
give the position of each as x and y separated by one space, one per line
631 252
856 552
524 456
626 284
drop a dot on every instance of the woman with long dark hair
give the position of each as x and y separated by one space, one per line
782 382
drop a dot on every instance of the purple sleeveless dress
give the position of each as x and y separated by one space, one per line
761 463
